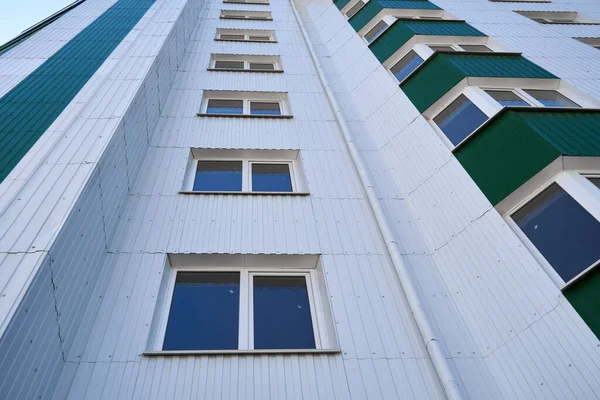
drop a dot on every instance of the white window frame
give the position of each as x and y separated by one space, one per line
575 183
488 105
247 60
246 34
321 318
246 106
246 15
291 158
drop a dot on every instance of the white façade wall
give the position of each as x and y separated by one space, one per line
66 197
382 354
507 330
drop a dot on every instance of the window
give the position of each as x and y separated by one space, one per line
376 31
218 176
244 63
271 178
245 104
507 98
562 230
556 17
230 107
240 35
229 64
460 119
204 312
406 65
245 171
251 15
354 9
594 42
250 302
551 98
460 47
263 108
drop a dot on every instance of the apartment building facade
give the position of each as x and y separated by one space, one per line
278 199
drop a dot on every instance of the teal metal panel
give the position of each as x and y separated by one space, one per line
341 3
500 66
29 109
442 71
401 32
373 7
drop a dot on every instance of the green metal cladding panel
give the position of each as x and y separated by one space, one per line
519 143
584 296
373 7
401 32
29 109
443 71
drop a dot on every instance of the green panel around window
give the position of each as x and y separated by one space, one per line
584 296
442 72
373 7
29 109
401 32
518 144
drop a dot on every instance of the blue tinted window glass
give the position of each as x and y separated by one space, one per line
460 119
376 31
204 312
408 64
551 98
282 313
563 231
257 108
507 98
271 178
218 176
225 107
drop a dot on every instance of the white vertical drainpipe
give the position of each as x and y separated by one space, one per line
446 376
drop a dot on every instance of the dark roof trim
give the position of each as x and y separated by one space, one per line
45 22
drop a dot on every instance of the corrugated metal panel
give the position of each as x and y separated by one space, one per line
29 109
373 7
442 72
402 30
497 311
519 144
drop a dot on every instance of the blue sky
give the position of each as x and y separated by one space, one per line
18 15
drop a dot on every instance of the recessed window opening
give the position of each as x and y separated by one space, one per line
242 62
229 64
376 31
406 65
460 119
354 9
556 17
460 47
562 230
242 302
591 41
239 35
262 66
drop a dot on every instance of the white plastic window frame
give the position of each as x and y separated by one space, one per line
246 106
487 104
247 173
247 37
276 66
246 305
576 184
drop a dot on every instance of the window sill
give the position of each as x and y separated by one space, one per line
245 41
170 353
245 116
248 193
276 71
